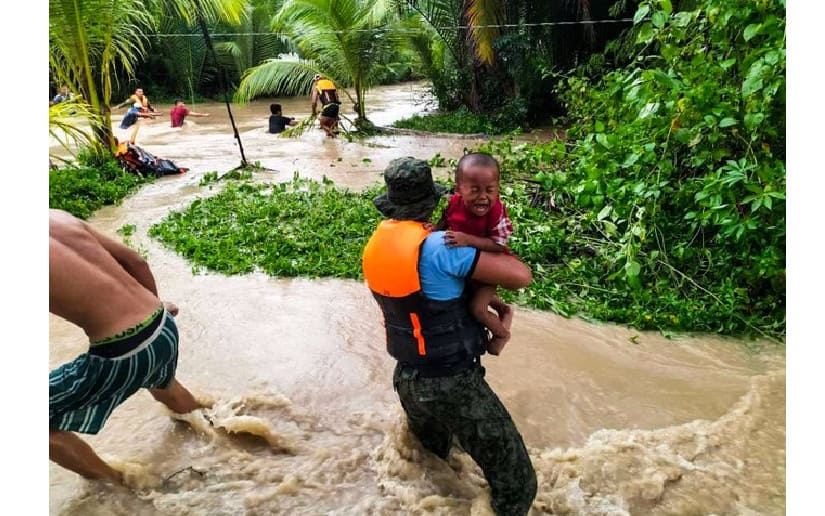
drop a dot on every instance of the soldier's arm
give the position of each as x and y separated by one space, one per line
501 269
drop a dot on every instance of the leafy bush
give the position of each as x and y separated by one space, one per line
81 189
668 210
511 118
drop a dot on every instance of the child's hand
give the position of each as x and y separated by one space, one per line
456 239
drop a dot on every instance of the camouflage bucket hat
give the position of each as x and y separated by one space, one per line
411 192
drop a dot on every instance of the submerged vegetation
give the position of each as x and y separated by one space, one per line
81 188
299 228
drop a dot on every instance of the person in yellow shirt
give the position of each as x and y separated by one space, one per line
324 91
139 97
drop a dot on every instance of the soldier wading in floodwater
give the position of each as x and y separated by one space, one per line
419 283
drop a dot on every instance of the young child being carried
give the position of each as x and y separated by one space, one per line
475 217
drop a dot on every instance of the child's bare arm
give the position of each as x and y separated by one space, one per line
459 239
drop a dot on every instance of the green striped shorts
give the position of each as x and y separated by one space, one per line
84 392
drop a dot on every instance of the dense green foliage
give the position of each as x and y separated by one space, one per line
669 208
462 121
82 188
483 54
352 42
300 228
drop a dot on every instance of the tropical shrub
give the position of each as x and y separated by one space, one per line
669 204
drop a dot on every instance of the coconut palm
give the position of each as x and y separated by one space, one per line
65 120
512 60
253 45
90 41
353 42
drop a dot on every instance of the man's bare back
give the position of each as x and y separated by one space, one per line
90 283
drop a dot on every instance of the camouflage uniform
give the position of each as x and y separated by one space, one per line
463 405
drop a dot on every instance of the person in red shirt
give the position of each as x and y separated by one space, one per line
476 217
180 112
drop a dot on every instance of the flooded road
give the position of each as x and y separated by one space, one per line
617 421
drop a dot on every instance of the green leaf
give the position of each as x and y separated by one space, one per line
659 19
646 34
727 122
751 85
649 109
604 212
601 139
663 78
681 19
631 160
599 126
632 268
666 6
683 135
641 13
727 63
752 30
752 120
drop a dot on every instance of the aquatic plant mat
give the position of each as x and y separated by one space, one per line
313 229
81 188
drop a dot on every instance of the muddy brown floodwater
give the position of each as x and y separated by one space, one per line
617 421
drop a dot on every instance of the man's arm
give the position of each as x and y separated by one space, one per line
501 269
314 101
130 260
127 101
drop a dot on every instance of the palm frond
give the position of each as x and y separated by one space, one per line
64 124
481 14
277 77
229 11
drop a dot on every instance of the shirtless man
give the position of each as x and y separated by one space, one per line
109 291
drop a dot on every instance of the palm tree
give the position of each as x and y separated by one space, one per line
514 60
352 42
90 41
253 46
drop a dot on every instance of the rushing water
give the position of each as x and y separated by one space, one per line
306 421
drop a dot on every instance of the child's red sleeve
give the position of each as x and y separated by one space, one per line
500 227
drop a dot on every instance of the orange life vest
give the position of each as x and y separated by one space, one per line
420 331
